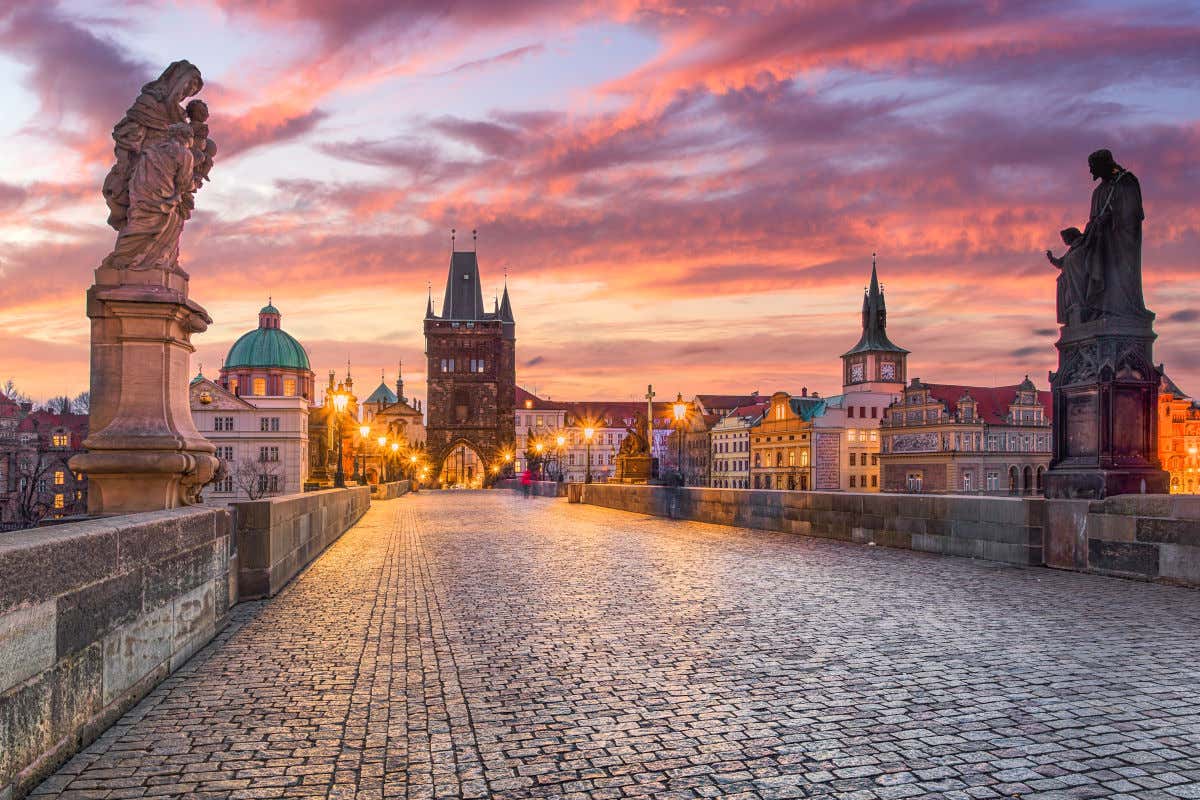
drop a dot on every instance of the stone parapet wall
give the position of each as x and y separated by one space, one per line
1149 537
279 536
537 488
95 614
994 528
390 491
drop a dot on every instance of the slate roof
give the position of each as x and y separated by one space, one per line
464 294
382 394
1166 386
807 407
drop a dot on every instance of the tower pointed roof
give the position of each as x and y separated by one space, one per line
464 294
506 314
874 320
429 305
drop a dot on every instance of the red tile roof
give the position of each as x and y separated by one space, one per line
992 402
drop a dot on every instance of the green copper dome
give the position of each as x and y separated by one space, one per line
267 346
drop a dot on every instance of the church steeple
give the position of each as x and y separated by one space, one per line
400 381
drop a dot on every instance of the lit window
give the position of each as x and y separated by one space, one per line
59 502
60 440
233 384
260 387
289 387
60 477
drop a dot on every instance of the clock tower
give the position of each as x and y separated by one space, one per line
874 364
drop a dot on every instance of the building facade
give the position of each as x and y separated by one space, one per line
730 439
472 381
781 443
945 438
1179 437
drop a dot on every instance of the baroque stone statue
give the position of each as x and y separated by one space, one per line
143 450
1102 267
163 155
1105 390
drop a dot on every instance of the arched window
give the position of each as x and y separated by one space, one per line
1027 480
1040 472
1013 479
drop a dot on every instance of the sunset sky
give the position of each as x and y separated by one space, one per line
684 194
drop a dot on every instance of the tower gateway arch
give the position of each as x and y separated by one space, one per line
471 370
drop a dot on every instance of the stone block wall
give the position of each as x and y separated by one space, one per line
390 491
279 536
92 616
537 488
1148 537
994 528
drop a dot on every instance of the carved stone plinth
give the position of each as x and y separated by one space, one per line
144 452
1105 396
635 469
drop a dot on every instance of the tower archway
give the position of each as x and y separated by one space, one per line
462 465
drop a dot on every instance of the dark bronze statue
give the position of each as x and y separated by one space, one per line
634 443
1102 269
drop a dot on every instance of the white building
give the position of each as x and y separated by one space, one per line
262 441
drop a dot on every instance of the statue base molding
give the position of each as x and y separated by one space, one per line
144 452
1105 397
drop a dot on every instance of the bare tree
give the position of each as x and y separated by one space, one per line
82 404
30 504
58 405
258 479
13 393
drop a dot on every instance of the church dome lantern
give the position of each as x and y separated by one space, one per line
268 361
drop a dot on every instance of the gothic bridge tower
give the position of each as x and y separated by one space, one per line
471 378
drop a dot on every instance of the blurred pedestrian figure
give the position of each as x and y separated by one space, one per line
526 482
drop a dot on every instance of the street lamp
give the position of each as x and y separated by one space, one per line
680 409
360 473
382 440
340 399
560 440
395 453
588 432
538 448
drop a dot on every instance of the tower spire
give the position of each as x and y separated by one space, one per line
400 381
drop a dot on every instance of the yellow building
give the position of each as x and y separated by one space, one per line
1179 437
781 444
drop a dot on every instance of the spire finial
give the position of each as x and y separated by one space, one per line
452 232
475 239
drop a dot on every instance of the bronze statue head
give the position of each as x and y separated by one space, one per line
1070 235
1101 164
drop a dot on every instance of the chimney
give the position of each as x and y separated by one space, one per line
804 391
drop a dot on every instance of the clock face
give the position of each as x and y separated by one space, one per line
856 373
887 371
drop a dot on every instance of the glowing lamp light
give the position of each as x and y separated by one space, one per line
588 433
395 446
382 440
340 399
413 459
679 407
507 458
364 430
538 447
561 440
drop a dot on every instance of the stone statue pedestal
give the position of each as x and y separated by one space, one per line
1105 396
636 469
144 452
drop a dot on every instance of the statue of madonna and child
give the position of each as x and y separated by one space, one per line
163 156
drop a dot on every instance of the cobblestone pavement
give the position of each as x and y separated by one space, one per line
482 645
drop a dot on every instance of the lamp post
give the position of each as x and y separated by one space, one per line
360 472
382 440
559 440
538 448
395 454
340 399
680 409
588 433
412 466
